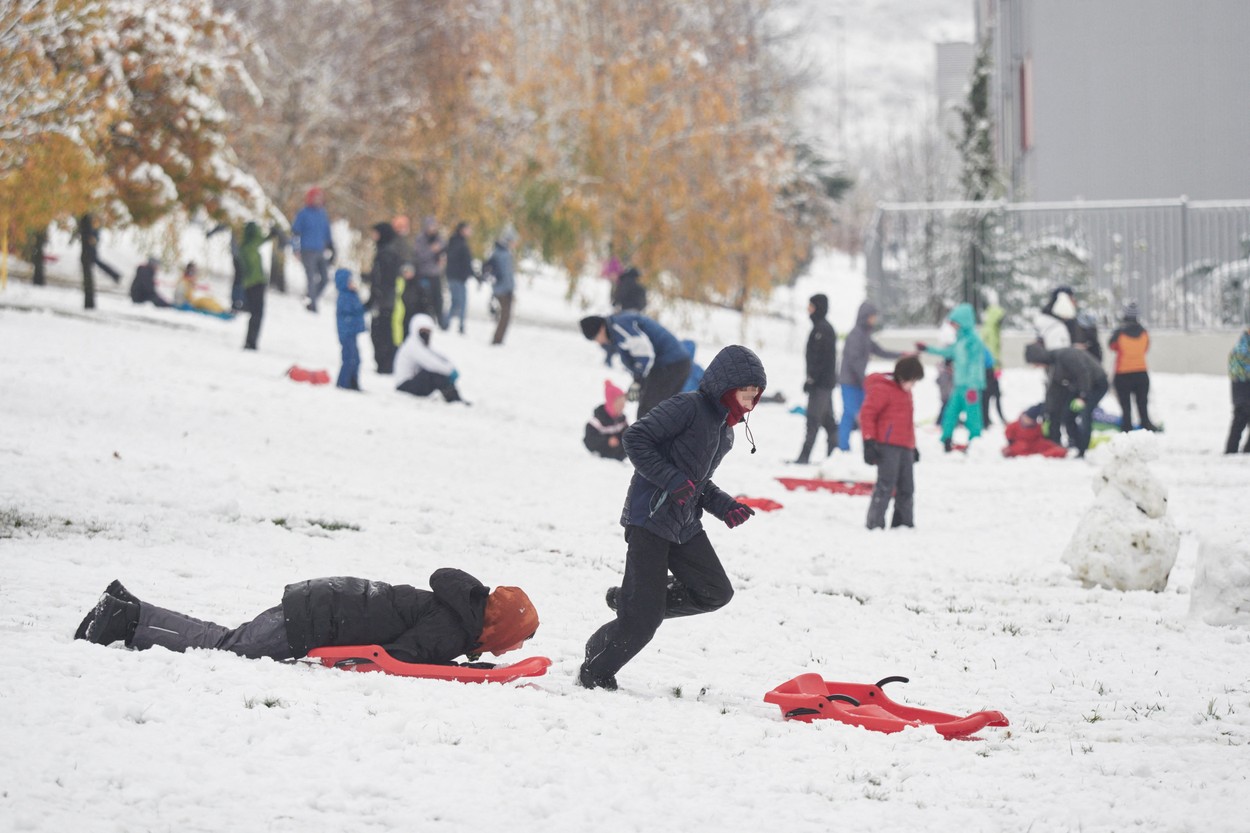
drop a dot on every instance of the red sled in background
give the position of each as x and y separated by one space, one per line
376 658
312 377
810 697
839 487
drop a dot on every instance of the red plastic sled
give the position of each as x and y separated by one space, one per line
809 697
841 487
312 377
761 503
376 658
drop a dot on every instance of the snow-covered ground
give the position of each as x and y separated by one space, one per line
145 445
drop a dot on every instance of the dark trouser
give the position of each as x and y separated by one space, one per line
318 271
646 599
1241 421
819 415
894 477
255 299
1130 386
1085 419
661 383
993 391
264 636
425 383
505 316
1059 415
383 339
459 299
349 373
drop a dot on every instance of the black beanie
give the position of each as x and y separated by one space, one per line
592 324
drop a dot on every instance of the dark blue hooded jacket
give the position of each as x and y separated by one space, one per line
351 313
684 438
642 344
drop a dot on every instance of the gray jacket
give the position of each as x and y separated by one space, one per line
859 345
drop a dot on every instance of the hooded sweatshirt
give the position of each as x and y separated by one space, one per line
414 355
859 346
249 254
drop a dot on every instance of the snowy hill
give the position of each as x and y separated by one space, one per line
145 445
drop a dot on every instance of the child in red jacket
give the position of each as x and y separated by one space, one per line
1024 436
887 424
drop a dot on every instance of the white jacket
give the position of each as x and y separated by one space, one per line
414 355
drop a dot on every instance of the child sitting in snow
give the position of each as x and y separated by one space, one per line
886 422
187 297
350 319
1025 437
457 615
603 431
419 368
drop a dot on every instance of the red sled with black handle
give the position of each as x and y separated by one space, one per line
810 697
376 658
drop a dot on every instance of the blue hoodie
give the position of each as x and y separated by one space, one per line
351 313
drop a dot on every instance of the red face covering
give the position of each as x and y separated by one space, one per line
736 412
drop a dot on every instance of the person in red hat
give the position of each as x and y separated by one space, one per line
314 244
457 616
603 431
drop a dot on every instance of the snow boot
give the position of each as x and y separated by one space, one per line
117 591
588 681
112 619
613 594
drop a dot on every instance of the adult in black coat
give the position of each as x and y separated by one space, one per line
459 270
387 261
457 615
629 295
675 450
822 376
1076 383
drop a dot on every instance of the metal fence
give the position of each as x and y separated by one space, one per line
1186 264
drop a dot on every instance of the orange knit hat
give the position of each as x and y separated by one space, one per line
510 620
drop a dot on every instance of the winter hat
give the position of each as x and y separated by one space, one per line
908 369
510 620
508 235
592 324
313 196
821 302
1130 311
611 393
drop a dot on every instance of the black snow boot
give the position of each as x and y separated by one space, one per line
613 594
117 591
112 619
587 680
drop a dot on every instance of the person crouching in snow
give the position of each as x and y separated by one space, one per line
968 355
1025 437
675 450
351 322
887 423
420 369
603 431
457 615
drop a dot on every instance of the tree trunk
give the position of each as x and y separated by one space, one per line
33 253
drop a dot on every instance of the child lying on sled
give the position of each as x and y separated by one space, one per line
457 615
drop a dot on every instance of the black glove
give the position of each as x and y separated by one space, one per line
915 455
872 454
807 386
738 515
635 390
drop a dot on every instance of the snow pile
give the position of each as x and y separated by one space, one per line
1221 589
1126 541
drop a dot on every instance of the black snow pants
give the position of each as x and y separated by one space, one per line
661 383
1130 387
264 636
647 596
894 478
383 338
819 415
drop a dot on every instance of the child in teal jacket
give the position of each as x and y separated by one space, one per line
968 355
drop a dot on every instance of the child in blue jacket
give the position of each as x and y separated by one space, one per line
351 322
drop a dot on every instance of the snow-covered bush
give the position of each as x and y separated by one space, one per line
1221 589
1125 541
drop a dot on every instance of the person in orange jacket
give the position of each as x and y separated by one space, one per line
1130 342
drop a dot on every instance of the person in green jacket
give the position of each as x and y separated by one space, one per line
992 336
969 357
254 281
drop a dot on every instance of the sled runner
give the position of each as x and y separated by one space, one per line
841 487
809 697
376 658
